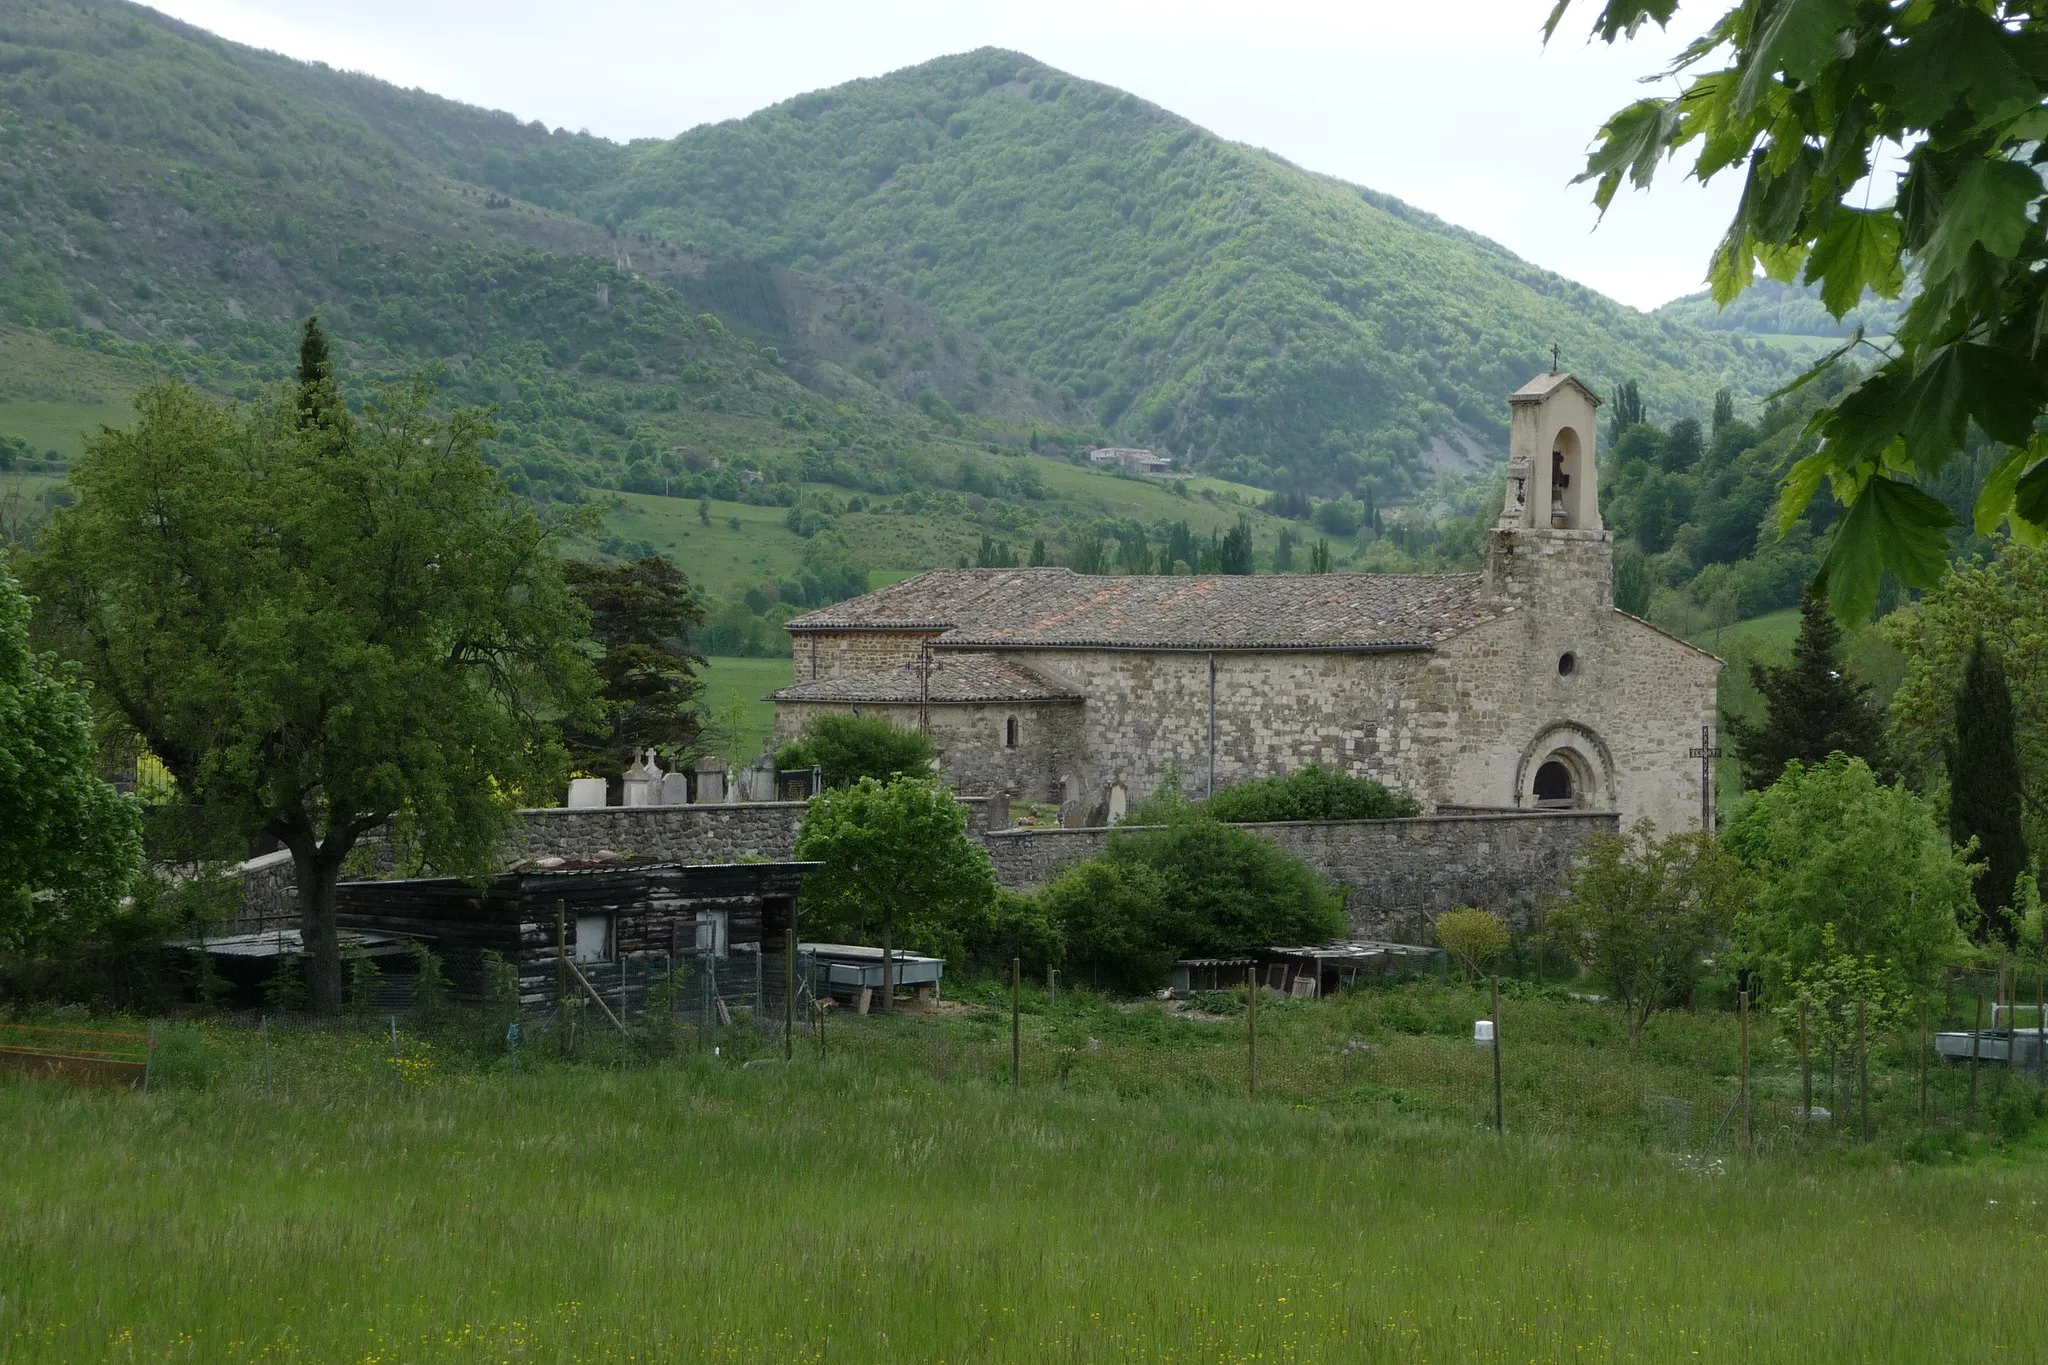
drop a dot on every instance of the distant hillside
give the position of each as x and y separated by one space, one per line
867 331
1281 326
184 203
1770 309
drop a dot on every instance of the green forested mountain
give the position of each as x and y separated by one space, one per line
1283 327
1769 308
971 248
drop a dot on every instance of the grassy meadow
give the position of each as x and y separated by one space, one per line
896 1200
734 690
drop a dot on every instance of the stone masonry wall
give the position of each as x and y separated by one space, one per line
727 833
970 737
822 654
1397 875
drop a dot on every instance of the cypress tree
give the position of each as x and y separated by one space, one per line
1628 408
1985 785
1813 707
319 401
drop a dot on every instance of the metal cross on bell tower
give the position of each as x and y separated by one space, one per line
1556 359
1706 753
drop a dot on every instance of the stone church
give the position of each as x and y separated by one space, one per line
1521 686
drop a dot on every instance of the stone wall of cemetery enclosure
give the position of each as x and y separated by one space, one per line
1396 875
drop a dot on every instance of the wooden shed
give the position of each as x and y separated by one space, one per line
607 921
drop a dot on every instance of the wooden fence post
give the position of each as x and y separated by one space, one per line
1926 1046
561 966
1748 1133
1251 1032
1863 1065
1500 1121
1805 1069
1976 1048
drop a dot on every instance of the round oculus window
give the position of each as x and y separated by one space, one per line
1567 664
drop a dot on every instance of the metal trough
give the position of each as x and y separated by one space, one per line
843 969
2007 1047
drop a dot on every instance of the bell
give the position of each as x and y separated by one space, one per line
1558 513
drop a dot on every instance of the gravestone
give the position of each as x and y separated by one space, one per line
642 781
675 789
586 793
710 781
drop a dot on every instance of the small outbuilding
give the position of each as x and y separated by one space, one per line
618 929
1309 972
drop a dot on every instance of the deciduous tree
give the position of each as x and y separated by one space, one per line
2005 602
1847 866
1475 938
897 861
1816 97
69 844
1643 914
322 630
848 748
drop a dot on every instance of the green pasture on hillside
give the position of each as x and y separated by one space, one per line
59 426
742 683
897 1201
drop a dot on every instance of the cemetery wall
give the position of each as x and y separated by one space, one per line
1397 875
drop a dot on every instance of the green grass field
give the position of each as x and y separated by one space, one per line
743 683
897 1202
61 427
723 560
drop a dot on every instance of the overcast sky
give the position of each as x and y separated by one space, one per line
1455 107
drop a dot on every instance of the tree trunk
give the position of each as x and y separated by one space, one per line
317 871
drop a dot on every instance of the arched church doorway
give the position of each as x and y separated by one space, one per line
1553 785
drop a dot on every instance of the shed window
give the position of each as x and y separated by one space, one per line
712 930
593 938
1010 733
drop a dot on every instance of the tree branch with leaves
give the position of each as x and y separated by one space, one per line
1808 101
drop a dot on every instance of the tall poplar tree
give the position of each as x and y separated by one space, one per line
1985 786
1813 708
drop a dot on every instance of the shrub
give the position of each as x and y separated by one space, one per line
1850 867
1310 794
1195 887
1116 918
1476 938
849 748
1643 913
1014 925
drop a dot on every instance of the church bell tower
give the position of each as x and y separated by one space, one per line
1550 546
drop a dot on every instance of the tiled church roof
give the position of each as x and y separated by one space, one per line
1060 609
957 676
